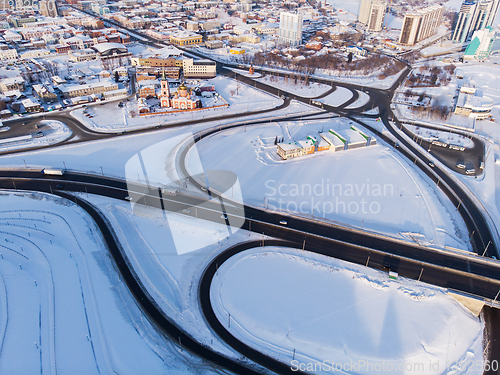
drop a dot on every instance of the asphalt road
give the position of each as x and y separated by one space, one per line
471 157
476 275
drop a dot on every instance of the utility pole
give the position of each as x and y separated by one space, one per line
486 249
495 298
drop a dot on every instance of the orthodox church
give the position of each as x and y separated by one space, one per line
183 98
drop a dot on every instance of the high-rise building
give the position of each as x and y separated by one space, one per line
372 13
473 16
480 46
290 28
48 8
420 25
463 25
364 11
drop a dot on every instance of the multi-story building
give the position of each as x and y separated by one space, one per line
19 22
420 25
73 91
173 73
87 54
12 36
45 93
153 62
377 15
290 31
99 9
473 16
148 88
36 32
85 5
469 104
480 46
9 54
186 38
33 54
78 42
12 83
372 14
199 68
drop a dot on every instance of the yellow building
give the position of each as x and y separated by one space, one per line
186 38
236 51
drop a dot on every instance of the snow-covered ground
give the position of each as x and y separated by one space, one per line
361 101
371 187
486 78
138 49
241 98
246 73
64 308
325 309
442 136
301 89
338 97
113 154
53 132
171 275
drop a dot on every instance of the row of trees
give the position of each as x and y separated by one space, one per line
308 65
431 76
440 112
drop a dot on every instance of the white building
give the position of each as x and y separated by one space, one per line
87 54
199 68
290 28
473 16
377 15
480 45
35 53
12 83
472 105
73 91
11 36
372 14
9 54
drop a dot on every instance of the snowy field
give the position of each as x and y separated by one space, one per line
369 320
241 98
64 308
312 90
372 188
53 132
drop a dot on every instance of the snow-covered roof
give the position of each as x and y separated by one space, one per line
103 47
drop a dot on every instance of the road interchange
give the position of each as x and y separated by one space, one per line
466 273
